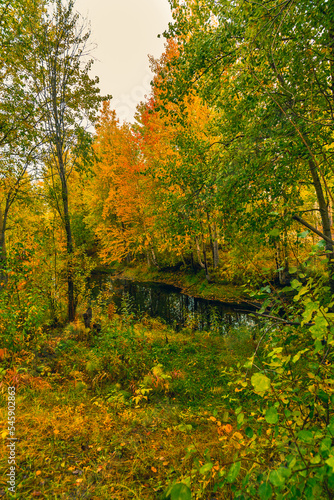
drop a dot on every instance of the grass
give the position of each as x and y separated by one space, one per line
190 283
124 414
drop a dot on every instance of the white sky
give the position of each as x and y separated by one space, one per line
125 32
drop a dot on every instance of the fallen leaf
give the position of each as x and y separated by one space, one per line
153 469
238 435
3 353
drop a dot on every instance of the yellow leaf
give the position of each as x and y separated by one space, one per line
165 463
4 434
153 469
213 419
38 473
238 435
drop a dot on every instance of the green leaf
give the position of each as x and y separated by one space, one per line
303 234
310 308
305 436
295 284
274 232
205 468
319 329
249 432
233 472
240 418
277 477
185 427
271 415
330 462
297 356
265 491
260 382
180 491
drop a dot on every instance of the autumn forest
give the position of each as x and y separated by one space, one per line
222 186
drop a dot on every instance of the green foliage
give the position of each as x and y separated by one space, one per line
24 308
178 491
290 393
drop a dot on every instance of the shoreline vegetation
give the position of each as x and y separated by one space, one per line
189 283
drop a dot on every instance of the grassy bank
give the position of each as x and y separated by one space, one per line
191 283
122 415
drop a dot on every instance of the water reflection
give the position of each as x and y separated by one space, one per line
174 307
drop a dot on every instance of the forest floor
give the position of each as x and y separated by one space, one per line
124 414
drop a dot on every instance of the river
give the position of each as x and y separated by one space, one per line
171 305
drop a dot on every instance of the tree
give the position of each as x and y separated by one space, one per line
66 100
119 192
272 61
18 122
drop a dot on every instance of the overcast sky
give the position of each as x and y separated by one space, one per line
125 32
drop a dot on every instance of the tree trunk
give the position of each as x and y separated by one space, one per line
213 243
199 254
326 225
215 248
154 259
205 259
211 240
3 276
69 243
3 251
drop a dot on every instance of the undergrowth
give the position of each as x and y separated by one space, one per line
142 411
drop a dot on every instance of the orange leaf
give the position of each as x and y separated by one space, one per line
3 353
153 469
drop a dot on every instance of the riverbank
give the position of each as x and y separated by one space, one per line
189 283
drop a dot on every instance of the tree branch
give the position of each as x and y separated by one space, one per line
312 228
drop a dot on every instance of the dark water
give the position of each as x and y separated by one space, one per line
175 308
